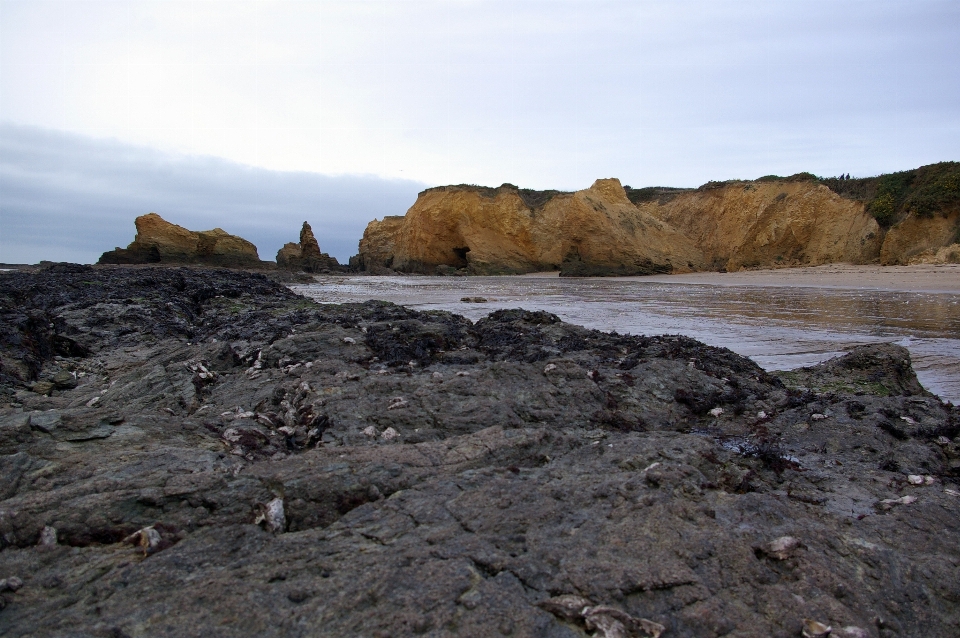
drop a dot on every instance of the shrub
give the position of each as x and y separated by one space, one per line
924 191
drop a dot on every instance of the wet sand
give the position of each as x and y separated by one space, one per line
919 278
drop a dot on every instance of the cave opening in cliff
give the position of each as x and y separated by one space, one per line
461 254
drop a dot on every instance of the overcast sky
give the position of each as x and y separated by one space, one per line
408 93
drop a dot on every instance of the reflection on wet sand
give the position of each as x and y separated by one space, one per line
778 327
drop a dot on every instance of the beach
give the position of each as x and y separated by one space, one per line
917 278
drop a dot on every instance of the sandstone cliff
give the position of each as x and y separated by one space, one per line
306 255
506 230
377 245
919 209
159 241
919 239
770 223
898 218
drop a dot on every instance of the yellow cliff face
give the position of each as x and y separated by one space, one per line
771 224
376 245
159 241
921 239
593 231
768 223
170 239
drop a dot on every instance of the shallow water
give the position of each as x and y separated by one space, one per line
778 327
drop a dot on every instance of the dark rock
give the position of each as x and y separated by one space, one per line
532 461
45 422
63 380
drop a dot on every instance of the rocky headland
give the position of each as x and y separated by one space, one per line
159 242
773 222
507 230
189 452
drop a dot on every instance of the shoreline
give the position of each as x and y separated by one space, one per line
925 278
931 278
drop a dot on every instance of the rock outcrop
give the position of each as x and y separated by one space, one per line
306 255
596 231
261 465
802 220
159 241
919 239
377 246
945 255
771 224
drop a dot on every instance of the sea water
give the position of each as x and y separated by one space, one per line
780 328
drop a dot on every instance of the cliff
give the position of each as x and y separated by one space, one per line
920 239
509 230
377 245
770 223
159 241
803 220
306 255
918 209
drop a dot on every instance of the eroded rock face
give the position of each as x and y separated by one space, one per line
264 465
306 255
159 241
497 231
771 224
922 240
377 246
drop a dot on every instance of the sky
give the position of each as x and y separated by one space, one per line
254 116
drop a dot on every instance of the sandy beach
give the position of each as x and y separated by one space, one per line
920 278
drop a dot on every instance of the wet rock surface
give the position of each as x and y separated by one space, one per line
227 458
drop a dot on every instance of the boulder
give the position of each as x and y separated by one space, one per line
596 231
159 241
306 255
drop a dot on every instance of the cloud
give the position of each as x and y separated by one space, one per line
538 93
65 197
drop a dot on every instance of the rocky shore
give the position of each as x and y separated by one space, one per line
192 452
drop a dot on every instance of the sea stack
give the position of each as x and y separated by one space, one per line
306 255
159 241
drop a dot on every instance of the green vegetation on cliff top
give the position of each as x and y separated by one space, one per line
532 198
924 191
